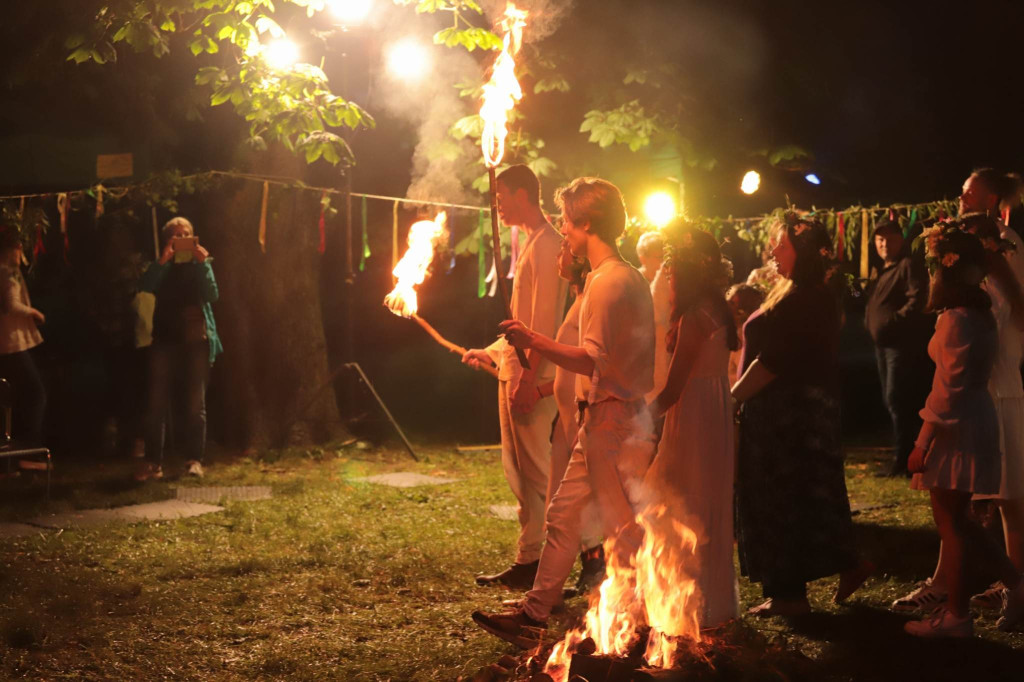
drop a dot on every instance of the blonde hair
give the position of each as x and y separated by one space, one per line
168 228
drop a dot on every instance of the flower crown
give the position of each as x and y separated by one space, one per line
946 243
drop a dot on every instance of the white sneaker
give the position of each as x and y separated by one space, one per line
927 597
990 599
942 623
1013 608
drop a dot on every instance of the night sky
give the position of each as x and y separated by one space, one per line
897 101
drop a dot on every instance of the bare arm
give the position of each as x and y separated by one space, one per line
573 358
753 381
691 338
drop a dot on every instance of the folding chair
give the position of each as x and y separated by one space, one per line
11 450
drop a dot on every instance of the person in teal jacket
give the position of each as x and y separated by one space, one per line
185 344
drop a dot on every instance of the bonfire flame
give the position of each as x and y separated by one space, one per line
502 91
656 590
412 269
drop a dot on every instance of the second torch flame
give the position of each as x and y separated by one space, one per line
502 91
412 269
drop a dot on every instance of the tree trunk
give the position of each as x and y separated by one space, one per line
271 386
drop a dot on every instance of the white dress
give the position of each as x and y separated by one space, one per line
1008 395
693 475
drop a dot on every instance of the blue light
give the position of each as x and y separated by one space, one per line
813 179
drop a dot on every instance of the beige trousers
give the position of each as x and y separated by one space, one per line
526 458
607 466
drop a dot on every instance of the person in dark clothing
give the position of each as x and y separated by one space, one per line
900 328
185 343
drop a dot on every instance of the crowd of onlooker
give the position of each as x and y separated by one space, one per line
173 329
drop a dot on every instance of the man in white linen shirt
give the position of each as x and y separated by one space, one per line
538 301
614 364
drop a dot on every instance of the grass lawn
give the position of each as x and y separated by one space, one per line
344 580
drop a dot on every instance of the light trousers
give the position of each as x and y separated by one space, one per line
526 459
591 528
607 467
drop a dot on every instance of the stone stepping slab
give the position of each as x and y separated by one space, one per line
405 479
505 512
214 494
152 511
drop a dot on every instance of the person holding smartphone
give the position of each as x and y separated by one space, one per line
185 344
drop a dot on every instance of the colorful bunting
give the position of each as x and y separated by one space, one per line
481 260
263 218
366 240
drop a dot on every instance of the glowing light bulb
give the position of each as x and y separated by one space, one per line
813 179
660 209
281 54
751 182
408 60
350 12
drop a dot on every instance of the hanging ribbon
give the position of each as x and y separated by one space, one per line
492 277
40 247
481 261
156 235
865 242
394 241
99 201
263 218
1006 216
64 207
321 225
366 240
513 252
892 215
841 238
21 219
910 223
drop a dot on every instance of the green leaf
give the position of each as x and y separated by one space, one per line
265 24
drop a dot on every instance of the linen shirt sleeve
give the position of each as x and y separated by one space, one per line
547 293
600 315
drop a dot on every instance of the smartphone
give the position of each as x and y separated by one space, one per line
184 243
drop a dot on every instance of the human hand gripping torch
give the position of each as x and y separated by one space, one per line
410 273
501 93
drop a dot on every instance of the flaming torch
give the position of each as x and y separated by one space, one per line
501 93
410 273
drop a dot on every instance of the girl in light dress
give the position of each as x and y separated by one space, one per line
692 473
957 453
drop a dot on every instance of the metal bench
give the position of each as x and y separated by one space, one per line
11 450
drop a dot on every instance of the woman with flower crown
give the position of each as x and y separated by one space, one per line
957 452
692 473
793 514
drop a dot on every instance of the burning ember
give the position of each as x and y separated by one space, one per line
502 92
655 594
412 269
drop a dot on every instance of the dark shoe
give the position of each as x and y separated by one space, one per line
591 573
515 577
514 627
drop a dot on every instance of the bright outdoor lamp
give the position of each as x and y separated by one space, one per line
281 54
813 179
660 209
350 12
408 60
751 182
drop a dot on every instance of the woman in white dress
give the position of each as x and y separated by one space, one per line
693 471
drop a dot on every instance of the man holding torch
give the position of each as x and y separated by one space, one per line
537 300
614 367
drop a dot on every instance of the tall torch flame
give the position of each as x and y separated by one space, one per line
502 92
412 269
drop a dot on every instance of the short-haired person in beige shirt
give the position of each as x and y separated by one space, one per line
538 301
614 366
